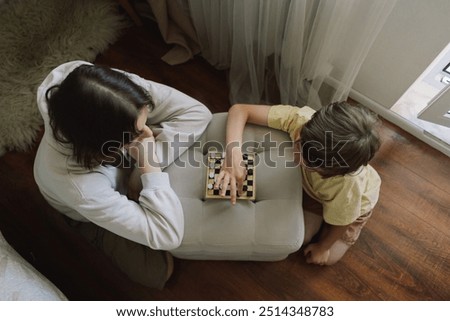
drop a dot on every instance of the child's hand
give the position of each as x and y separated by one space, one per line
315 254
232 174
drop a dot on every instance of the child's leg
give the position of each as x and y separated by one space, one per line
337 251
340 247
312 214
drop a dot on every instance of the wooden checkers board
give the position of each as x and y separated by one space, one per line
215 161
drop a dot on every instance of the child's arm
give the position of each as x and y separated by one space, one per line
319 253
233 173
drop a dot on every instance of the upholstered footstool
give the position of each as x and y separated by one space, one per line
266 229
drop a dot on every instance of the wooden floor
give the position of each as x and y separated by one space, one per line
403 253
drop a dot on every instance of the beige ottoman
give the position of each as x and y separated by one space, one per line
267 229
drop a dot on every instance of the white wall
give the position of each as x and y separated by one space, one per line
414 34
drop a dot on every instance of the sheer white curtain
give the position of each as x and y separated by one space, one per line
288 51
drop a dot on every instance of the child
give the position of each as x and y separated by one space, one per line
334 147
91 115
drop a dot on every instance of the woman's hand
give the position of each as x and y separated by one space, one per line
134 185
143 150
232 174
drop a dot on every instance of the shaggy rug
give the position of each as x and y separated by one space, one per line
35 37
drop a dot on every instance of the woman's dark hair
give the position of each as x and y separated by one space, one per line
93 109
339 139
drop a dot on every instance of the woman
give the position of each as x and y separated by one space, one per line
108 135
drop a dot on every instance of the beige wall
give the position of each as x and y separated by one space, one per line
414 34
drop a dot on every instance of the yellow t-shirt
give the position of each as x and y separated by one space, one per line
344 197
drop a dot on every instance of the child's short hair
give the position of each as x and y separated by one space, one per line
339 139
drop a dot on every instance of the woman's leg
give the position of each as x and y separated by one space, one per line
151 268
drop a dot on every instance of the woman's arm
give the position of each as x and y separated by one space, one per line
177 120
233 173
142 150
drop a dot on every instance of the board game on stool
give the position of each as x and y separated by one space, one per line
215 161
268 228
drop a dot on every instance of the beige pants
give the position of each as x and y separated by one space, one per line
313 215
140 263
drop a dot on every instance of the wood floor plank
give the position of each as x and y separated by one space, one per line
416 195
414 253
422 189
429 163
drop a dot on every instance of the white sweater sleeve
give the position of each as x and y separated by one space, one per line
177 120
157 221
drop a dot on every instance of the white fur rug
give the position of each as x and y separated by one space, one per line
35 37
